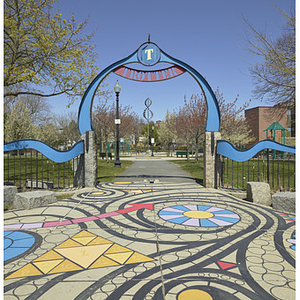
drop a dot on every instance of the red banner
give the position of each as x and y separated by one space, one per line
149 76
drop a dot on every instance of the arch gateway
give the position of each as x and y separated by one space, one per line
149 54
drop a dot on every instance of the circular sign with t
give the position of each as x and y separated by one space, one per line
149 54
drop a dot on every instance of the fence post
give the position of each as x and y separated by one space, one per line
78 171
85 170
90 159
210 178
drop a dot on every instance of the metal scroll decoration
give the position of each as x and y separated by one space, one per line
148 54
226 149
49 152
148 114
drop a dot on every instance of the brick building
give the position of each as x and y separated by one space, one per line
261 117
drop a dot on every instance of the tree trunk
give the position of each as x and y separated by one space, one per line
187 151
106 148
196 152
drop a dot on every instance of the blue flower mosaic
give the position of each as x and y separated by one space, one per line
293 242
16 243
199 215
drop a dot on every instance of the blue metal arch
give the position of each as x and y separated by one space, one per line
85 108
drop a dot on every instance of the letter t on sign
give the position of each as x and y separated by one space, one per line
148 53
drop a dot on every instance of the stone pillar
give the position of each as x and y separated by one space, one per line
85 169
78 171
210 159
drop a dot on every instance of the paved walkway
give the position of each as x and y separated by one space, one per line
133 239
160 170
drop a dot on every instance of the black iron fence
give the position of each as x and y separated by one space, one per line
29 169
274 167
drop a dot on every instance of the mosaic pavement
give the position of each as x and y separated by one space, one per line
149 241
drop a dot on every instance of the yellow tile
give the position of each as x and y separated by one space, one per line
49 256
83 233
28 270
84 240
99 240
68 244
84 255
137 258
46 266
115 248
119 257
97 193
194 294
103 262
65 266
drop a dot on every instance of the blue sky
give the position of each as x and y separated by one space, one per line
210 36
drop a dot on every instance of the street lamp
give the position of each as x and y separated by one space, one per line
152 140
117 89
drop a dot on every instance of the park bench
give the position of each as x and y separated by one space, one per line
181 153
103 155
184 153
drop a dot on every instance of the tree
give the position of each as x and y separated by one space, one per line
104 125
146 131
197 110
68 129
190 122
167 134
275 75
184 127
39 108
43 51
18 125
234 127
50 135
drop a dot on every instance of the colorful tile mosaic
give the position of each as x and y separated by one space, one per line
16 243
83 251
199 215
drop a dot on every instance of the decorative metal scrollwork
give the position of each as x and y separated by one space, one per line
148 114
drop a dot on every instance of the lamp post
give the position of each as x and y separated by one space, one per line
152 140
117 89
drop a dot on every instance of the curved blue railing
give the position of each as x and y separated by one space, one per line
49 152
227 149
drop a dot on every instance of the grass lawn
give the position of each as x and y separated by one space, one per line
236 175
107 171
189 166
18 168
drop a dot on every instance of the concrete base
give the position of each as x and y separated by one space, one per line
29 200
9 195
259 193
284 201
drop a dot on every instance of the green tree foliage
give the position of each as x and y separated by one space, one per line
167 134
67 130
39 108
147 133
45 54
18 125
275 75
